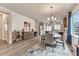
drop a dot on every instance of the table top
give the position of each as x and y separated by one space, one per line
56 35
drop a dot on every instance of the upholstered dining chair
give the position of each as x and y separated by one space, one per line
62 40
49 40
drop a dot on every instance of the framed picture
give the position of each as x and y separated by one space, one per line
25 24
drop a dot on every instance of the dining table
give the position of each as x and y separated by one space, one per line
56 36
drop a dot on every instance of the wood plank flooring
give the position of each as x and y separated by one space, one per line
19 48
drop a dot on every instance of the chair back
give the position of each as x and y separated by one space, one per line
49 38
64 36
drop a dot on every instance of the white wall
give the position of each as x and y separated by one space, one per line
3 9
18 21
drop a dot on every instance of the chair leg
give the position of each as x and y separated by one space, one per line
63 46
45 46
41 41
52 48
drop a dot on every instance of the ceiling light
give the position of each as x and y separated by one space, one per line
51 18
48 19
54 18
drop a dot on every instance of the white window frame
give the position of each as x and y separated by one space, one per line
57 27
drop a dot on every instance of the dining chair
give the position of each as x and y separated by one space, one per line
62 40
49 40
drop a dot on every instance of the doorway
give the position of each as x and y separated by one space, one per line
1 32
3 26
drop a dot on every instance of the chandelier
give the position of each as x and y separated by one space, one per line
51 19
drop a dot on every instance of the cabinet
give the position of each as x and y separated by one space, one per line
28 35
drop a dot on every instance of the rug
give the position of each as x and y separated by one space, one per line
57 51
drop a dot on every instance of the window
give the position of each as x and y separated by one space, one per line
75 23
49 28
57 27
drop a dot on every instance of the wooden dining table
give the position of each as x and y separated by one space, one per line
56 36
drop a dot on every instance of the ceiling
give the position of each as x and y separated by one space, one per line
39 11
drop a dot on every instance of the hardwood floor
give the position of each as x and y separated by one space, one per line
18 48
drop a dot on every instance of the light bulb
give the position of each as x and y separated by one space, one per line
48 19
54 18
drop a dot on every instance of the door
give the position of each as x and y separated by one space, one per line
6 31
3 26
1 29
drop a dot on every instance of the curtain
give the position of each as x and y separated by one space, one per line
69 40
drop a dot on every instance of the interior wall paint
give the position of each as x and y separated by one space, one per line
18 21
3 9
